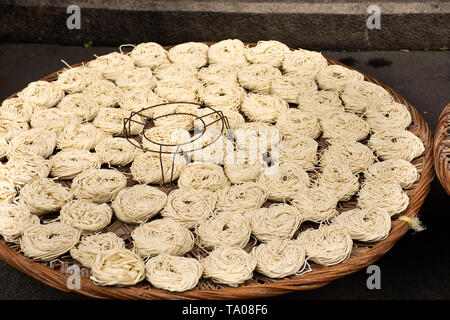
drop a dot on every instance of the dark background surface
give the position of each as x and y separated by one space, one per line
417 267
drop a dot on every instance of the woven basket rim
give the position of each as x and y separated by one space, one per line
441 148
58 279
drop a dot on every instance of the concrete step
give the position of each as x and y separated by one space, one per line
314 24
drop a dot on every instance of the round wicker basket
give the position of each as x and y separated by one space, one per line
55 273
442 149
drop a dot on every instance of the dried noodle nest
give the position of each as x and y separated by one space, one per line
69 163
181 89
359 95
241 198
138 203
388 116
345 126
14 219
302 150
267 52
54 119
40 142
194 54
222 96
43 195
10 128
383 195
112 65
80 105
279 258
105 93
367 225
164 115
218 74
75 80
339 178
116 151
42 94
228 265
80 136
316 204
189 207
111 120
98 185
290 85
167 139
258 78
256 136
137 99
136 78
7 187
336 77
328 245
85 215
49 241
307 63
293 123
394 170
285 182
356 155
90 246
176 71
243 166
202 175
24 168
320 103
215 119
146 167
229 52
223 229
149 54
396 144
212 146
118 267
263 108
162 236
279 221
173 273
17 109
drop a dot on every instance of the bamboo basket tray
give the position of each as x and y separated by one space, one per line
54 273
442 149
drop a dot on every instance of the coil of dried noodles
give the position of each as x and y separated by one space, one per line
223 229
69 163
279 258
367 225
279 221
90 246
173 273
162 236
85 215
98 185
138 203
43 195
228 265
328 245
189 207
118 267
49 241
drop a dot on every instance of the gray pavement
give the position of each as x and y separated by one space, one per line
320 24
416 268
